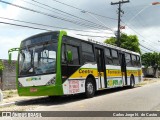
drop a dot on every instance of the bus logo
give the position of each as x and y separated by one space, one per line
33 79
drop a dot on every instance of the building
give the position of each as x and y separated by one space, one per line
8 76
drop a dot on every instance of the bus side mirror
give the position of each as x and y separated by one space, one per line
10 58
69 56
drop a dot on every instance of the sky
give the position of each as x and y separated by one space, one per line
140 18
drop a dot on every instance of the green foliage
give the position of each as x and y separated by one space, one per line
151 59
111 41
1 65
129 42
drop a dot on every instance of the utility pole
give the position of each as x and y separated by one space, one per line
119 19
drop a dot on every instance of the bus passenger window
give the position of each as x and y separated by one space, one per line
138 61
108 57
134 61
115 57
75 54
87 52
128 59
63 54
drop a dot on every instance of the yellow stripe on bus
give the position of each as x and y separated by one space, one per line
83 73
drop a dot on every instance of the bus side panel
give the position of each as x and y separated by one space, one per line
114 76
136 72
73 86
76 82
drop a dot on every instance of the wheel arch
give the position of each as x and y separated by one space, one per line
132 76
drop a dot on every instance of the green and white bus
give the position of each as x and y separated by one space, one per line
60 63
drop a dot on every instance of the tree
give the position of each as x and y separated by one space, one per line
151 59
146 59
129 42
1 65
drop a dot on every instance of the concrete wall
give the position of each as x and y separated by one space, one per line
150 72
8 76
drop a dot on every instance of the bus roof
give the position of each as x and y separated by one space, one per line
99 43
85 39
40 34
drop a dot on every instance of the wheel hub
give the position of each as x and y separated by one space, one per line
90 88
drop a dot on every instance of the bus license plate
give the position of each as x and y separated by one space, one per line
33 89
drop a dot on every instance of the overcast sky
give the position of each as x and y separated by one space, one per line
146 25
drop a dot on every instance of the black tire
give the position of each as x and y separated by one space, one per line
89 88
132 82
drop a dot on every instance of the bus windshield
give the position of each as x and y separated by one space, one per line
38 59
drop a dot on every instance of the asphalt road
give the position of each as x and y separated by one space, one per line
141 98
146 98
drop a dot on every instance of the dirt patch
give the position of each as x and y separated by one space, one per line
9 93
147 81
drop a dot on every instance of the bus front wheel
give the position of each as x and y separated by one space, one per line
89 88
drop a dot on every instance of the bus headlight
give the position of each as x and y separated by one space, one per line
52 81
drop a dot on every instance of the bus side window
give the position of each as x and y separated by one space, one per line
138 61
87 53
115 57
63 54
108 57
75 54
134 60
128 59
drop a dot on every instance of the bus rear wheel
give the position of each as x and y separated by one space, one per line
90 88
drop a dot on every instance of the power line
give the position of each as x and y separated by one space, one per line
43 13
25 26
44 8
51 26
140 43
93 36
61 11
147 48
97 19
133 17
142 23
144 50
141 36
83 10
137 33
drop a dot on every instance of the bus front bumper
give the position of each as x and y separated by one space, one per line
41 91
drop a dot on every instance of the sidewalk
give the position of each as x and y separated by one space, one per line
10 97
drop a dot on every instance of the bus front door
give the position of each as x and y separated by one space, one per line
101 68
123 68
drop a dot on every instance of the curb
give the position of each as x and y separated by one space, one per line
7 104
12 103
